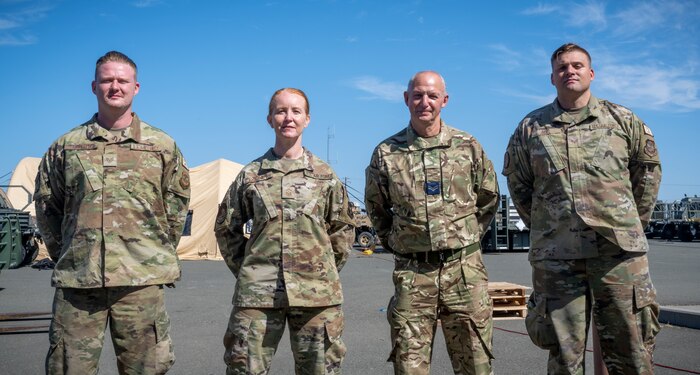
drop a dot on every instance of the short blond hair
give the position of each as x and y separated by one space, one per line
115 56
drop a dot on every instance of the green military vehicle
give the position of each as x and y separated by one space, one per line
365 236
18 235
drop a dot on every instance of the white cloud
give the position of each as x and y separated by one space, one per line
589 13
650 86
146 3
12 40
638 18
390 91
8 24
575 14
351 39
504 57
540 9
648 17
539 100
18 21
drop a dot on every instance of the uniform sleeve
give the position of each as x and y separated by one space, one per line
176 195
645 169
49 195
487 192
229 226
516 168
341 224
377 201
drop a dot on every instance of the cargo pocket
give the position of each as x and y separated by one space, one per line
399 329
335 348
398 335
236 339
539 324
647 312
482 324
55 360
165 357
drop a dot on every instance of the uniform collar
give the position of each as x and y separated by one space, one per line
131 132
416 142
592 109
272 161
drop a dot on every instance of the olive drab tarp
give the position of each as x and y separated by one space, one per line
209 183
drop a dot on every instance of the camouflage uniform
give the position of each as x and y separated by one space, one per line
111 209
585 183
302 233
430 201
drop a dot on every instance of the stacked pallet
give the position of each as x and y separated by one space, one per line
32 322
509 300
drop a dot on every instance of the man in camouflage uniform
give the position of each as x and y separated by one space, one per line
111 200
431 194
288 270
584 174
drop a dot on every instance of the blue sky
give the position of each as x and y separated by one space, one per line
208 68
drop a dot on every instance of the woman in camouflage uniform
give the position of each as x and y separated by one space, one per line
287 271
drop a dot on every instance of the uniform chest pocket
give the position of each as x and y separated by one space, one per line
261 202
313 194
611 148
83 168
138 168
546 157
457 181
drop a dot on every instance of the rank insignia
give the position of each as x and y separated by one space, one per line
432 187
109 160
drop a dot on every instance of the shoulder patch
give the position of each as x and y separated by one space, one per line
647 131
185 181
650 148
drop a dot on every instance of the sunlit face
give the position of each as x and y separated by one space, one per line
288 118
426 99
115 86
572 73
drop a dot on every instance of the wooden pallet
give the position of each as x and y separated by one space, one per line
15 323
509 300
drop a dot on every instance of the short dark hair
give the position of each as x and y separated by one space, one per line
569 47
293 91
115 56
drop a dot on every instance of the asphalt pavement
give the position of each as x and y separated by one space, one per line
200 305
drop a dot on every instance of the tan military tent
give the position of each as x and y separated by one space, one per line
209 184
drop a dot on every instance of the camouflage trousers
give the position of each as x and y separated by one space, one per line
456 293
616 288
253 334
138 322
